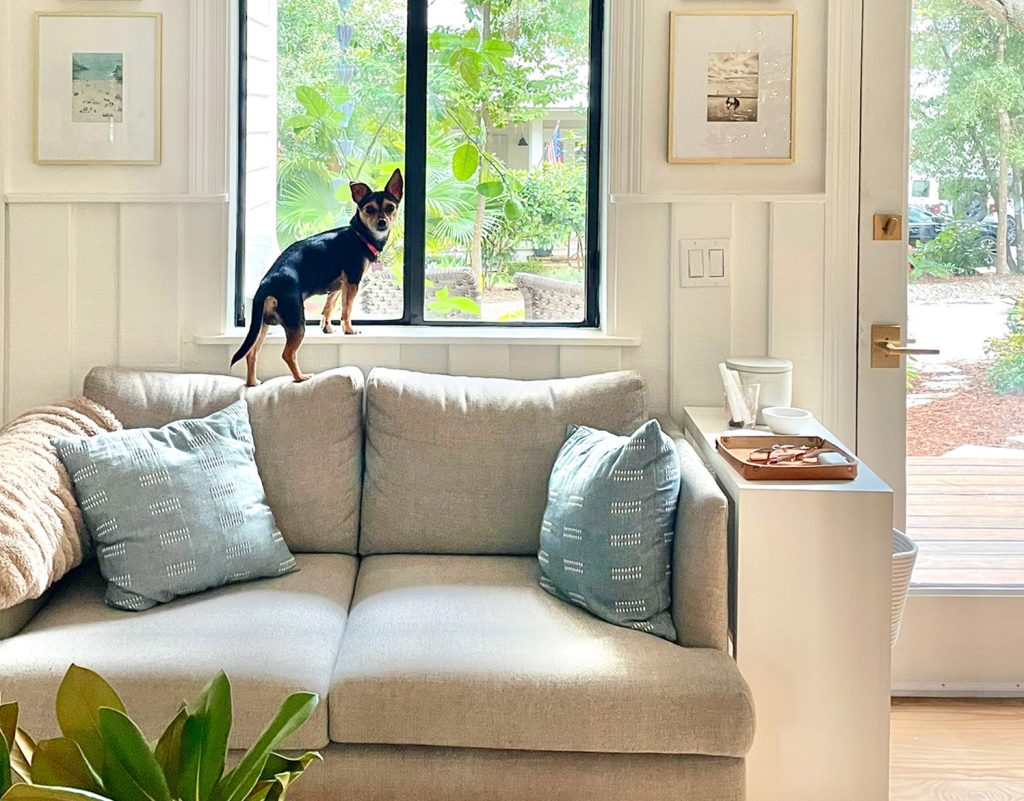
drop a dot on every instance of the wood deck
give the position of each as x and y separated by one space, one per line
967 517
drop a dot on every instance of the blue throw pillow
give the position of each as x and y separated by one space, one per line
175 510
606 539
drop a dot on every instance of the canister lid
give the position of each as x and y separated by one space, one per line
759 364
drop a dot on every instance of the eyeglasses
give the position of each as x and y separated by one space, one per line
775 454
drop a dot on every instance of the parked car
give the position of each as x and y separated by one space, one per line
1011 226
922 225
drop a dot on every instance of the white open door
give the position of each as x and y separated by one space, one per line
962 497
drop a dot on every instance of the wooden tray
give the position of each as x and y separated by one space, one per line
736 451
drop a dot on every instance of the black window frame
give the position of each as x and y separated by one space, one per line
414 261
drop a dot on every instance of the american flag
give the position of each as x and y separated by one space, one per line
555 154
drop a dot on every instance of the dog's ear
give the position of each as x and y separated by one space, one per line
359 191
395 184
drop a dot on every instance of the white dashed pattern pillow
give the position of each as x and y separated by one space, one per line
176 510
606 539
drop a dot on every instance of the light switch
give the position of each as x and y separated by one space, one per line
716 263
702 263
695 260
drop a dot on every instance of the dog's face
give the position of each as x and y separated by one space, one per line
379 210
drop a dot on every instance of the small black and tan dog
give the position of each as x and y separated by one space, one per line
330 263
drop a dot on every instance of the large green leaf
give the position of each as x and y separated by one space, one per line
498 47
60 763
238 783
130 770
9 722
35 792
205 741
168 751
465 161
490 188
513 209
471 39
8 727
79 698
314 102
6 778
279 774
279 763
22 753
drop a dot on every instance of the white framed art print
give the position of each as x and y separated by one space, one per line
98 81
732 87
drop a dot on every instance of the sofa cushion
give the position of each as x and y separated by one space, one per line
309 439
469 651
461 465
606 539
272 638
176 510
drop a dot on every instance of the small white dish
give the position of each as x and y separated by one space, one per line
787 420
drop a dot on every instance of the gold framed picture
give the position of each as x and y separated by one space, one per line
732 87
98 87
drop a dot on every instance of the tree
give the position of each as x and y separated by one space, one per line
501 65
968 114
1007 12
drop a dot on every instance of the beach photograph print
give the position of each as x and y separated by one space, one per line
733 86
97 87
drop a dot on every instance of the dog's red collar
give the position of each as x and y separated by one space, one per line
369 245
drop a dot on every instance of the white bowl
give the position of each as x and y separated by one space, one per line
787 419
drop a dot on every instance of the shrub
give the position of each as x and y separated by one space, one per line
956 250
1006 375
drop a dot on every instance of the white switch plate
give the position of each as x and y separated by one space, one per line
711 261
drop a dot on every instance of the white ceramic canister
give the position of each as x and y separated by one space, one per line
774 375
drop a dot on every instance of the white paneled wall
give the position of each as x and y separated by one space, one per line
121 265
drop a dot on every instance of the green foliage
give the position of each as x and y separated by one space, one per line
956 250
504 65
103 756
954 135
445 303
1006 375
555 199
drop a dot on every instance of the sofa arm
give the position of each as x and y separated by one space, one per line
700 573
15 618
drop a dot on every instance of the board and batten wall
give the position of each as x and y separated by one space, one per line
128 265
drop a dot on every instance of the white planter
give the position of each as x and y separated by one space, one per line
904 554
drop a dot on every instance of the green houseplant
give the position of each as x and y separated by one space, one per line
102 755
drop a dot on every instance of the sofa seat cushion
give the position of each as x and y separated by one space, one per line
469 651
272 637
309 439
460 465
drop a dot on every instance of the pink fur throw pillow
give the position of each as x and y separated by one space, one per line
42 535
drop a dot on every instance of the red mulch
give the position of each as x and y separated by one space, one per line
976 415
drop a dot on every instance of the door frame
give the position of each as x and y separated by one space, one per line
987 653
840 301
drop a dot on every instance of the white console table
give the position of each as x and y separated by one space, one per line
809 614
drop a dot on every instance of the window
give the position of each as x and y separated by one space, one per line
491 108
920 188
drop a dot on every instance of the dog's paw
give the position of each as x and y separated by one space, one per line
302 377
351 330
327 328
254 383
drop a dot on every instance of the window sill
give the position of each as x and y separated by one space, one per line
441 335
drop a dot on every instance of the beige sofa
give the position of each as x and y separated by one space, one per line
444 671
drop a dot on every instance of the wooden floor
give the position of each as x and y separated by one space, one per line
957 749
967 517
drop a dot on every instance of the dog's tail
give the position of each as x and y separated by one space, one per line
255 323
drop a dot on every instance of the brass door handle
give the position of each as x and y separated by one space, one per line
894 347
887 347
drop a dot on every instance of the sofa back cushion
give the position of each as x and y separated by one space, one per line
309 439
461 465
